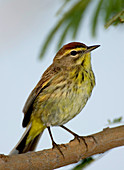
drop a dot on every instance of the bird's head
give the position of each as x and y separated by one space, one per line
74 53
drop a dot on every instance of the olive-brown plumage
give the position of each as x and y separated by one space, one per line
60 95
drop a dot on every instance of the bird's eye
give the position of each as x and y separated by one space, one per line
73 53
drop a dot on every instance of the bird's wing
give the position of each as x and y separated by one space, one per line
44 82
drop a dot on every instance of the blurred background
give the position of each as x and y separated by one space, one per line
24 26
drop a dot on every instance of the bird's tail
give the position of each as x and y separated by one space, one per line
29 140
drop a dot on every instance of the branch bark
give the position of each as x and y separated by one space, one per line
73 152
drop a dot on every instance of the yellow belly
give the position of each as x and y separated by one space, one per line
57 105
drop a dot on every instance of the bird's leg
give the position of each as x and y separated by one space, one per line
53 142
76 136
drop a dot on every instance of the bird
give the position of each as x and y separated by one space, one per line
60 95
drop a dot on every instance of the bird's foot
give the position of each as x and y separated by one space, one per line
79 138
90 136
58 147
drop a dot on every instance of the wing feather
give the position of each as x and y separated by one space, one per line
44 82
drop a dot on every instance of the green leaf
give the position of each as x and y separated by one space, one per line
75 20
62 37
50 36
115 18
109 8
69 15
85 162
79 16
62 7
122 18
95 18
71 19
116 120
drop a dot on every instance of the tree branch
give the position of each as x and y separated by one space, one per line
73 152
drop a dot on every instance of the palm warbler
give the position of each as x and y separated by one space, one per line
60 95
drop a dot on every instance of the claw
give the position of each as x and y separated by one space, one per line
58 147
92 138
64 145
76 136
82 138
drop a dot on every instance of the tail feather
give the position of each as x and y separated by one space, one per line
21 146
33 144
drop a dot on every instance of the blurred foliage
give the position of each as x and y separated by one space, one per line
85 162
72 12
116 120
119 17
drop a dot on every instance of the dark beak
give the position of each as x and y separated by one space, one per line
91 48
